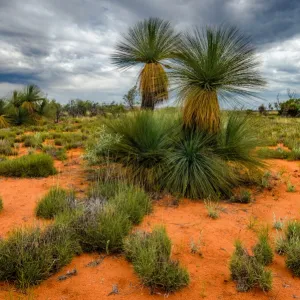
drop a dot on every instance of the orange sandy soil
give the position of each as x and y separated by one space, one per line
210 277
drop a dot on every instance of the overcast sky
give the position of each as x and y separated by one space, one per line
64 45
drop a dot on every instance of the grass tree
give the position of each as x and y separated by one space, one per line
213 64
149 43
31 97
3 120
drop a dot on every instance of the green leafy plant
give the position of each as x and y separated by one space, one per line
56 201
263 252
47 251
150 255
247 271
32 165
244 196
213 208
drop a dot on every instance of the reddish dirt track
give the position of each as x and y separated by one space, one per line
210 277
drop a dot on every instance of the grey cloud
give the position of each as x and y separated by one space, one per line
64 46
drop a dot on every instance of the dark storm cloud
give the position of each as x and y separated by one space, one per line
64 46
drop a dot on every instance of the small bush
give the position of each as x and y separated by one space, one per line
5 147
150 255
293 256
53 203
290 188
29 256
34 141
59 154
247 271
134 202
101 228
105 189
212 208
277 153
1 204
32 165
244 196
277 223
263 251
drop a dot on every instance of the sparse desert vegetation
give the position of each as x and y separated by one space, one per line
126 191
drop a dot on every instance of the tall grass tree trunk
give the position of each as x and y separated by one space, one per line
149 44
202 112
216 63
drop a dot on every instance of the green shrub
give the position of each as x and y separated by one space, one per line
262 250
193 169
244 196
34 141
56 153
29 256
277 153
134 202
5 147
293 256
1 204
56 201
101 228
150 255
157 152
105 189
141 148
32 165
247 271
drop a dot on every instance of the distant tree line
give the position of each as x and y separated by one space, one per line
30 105
288 108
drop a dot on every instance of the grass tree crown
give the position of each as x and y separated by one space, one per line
149 43
211 65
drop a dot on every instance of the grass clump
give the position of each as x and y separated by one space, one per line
244 196
293 256
263 251
56 201
100 227
29 256
277 223
5 147
213 209
150 255
134 202
247 271
290 188
32 165
56 153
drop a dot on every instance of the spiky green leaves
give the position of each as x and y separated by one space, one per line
214 62
149 41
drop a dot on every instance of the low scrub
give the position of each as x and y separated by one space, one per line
134 202
32 165
29 256
289 245
5 147
1 204
150 256
158 153
247 271
55 202
263 252
243 196
56 153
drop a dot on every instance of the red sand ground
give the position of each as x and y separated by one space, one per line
210 278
